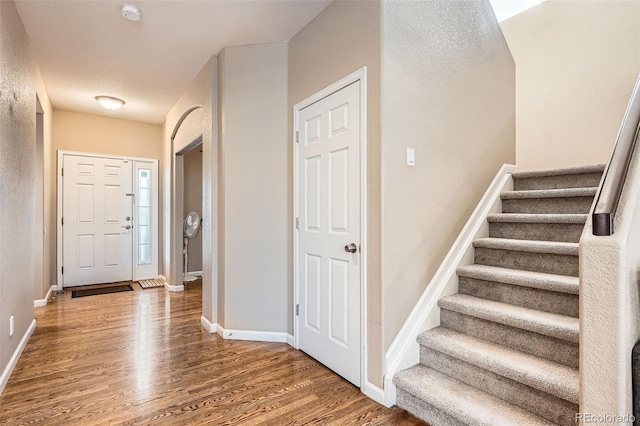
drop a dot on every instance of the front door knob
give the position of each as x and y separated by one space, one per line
351 248
126 227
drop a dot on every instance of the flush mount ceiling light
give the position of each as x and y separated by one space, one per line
131 13
109 102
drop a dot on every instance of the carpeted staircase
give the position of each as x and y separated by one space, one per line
506 352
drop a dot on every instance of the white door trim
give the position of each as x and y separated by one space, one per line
361 76
60 163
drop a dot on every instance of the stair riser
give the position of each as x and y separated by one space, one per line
541 403
562 232
533 298
424 411
561 205
581 180
536 262
553 349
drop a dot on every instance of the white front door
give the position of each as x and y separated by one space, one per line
328 182
96 220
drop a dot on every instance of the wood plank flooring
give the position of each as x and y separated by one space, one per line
141 357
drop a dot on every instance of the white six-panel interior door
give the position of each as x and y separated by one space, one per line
328 215
108 217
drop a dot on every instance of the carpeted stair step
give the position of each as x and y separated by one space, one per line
550 407
574 177
545 292
443 401
542 334
538 256
546 376
548 201
541 227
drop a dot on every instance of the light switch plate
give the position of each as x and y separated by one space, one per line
411 157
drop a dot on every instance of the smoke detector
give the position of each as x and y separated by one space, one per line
131 13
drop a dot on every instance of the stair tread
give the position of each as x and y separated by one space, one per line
538 218
591 168
540 280
538 373
463 402
531 246
549 324
549 193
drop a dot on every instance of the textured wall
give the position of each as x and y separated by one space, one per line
342 39
448 91
253 110
17 172
576 62
610 306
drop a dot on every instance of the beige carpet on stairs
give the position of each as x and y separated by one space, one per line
506 350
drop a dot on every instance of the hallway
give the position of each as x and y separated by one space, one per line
141 357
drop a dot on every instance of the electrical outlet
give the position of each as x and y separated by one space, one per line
11 325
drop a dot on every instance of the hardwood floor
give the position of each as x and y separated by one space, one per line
141 357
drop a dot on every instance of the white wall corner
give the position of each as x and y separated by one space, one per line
39 303
171 287
208 325
404 350
6 374
290 340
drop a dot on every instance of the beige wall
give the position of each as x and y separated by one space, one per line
193 202
576 62
17 181
610 305
256 219
75 131
45 202
448 91
342 39
202 91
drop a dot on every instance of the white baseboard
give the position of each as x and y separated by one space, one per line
38 303
16 356
404 350
255 336
208 325
171 287
290 341
194 274
373 392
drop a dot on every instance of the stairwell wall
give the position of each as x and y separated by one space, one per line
448 91
576 62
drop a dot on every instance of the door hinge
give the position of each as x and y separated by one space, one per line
297 223
62 270
297 309
297 136
62 221
62 171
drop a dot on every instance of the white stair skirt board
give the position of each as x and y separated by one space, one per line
16 356
38 303
405 351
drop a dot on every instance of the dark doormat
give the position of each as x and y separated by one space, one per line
103 290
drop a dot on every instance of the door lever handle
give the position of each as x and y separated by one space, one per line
126 227
351 248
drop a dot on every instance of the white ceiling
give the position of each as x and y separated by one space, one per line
86 48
